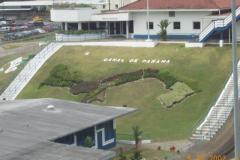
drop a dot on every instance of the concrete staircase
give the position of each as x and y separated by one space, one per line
218 114
218 25
29 71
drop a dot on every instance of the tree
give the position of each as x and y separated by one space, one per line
137 135
88 142
163 26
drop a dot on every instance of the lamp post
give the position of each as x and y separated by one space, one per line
148 29
235 81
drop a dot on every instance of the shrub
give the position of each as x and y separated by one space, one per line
84 87
61 76
88 142
151 73
137 155
167 78
121 155
129 77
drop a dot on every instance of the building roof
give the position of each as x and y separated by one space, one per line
56 151
26 3
25 123
46 2
179 4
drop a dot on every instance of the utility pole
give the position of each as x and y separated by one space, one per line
235 81
109 5
148 29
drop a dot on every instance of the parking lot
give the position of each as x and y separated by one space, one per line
14 29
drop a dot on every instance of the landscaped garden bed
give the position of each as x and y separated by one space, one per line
60 76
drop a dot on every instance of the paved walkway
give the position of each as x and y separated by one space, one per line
181 145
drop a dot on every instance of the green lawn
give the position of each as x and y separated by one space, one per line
132 94
203 70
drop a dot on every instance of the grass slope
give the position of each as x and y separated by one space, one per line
204 69
138 94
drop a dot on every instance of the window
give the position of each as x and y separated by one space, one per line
116 6
172 14
151 25
196 25
104 6
131 27
176 25
85 26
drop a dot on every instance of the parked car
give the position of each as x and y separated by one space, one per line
5 29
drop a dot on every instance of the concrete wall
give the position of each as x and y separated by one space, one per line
185 17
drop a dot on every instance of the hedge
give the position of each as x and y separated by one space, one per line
84 87
60 76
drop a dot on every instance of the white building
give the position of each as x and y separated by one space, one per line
189 19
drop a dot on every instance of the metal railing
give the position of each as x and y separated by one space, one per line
218 114
217 24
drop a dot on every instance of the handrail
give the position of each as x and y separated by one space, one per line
216 24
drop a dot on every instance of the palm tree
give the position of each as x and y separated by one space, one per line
163 26
137 135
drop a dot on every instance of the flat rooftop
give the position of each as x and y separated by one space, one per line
26 123
56 151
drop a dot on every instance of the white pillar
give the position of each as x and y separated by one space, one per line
66 27
115 28
79 26
95 135
221 42
108 23
127 29
75 139
114 124
97 25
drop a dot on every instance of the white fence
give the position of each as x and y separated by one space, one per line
218 114
80 37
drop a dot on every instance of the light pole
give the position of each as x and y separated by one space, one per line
235 81
148 29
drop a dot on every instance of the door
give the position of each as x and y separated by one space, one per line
112 28
100 139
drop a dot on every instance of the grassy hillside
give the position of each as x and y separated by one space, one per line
203 70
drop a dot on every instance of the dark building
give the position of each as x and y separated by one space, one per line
29 128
